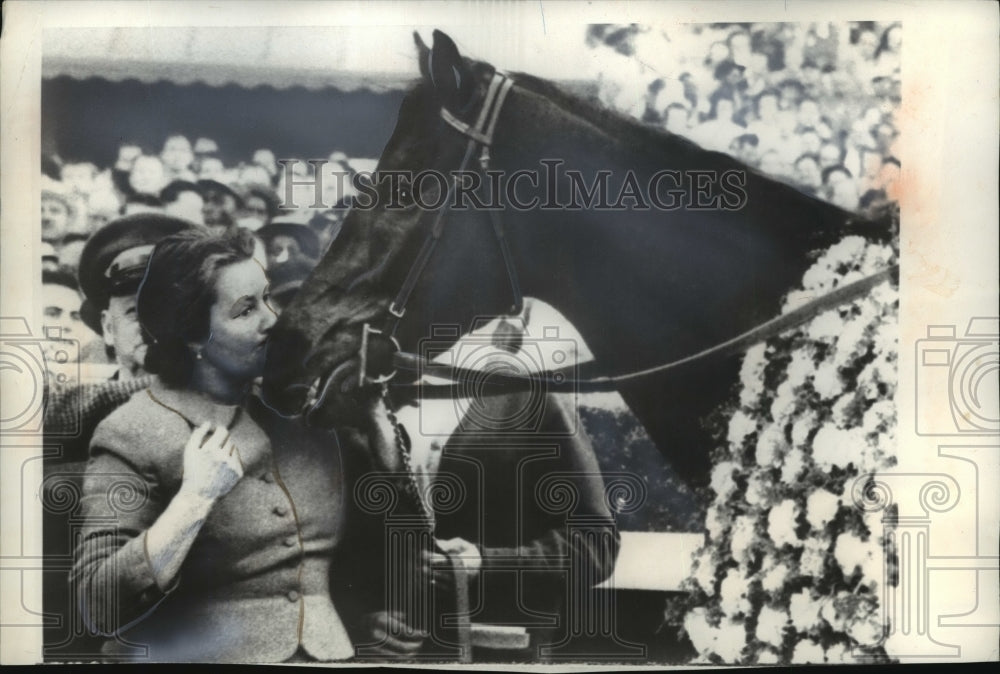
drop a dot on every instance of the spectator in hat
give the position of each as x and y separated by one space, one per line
211 168
111 267
177 157
288 239
807 173
50 257
58 213
182 199
221 204
147 176
286 279
79 177
61 311
720 130
70 251
676 119
266 160
260 206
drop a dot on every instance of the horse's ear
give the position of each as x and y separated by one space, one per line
449 74
423 55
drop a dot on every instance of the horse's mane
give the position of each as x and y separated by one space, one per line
654 141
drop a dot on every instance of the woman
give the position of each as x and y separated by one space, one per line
210 523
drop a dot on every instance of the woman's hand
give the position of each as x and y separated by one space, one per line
212 464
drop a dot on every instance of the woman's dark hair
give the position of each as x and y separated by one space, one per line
177 294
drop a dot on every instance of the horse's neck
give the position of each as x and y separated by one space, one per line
642 286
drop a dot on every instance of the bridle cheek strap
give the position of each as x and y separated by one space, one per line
480 135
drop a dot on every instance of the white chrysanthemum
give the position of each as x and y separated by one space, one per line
818 278
796 298
831 613
803 611
704 572
740 426
715 522
835 653
702 635
767 657
852 342
800 368
742 537
879 417
752 373
733 594
827 381
781 523
848 251
803 425
770 445
878 373
813 557
722 479
876 258
825 327
771 625
732 640
760 490
835 447
793 465
821 507
849 278
807 651
885 295
851 552
784 401
844 412
865 628
774 578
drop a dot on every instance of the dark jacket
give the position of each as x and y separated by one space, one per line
535 505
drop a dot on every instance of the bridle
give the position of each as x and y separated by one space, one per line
480 136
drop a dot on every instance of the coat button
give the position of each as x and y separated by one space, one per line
280 510
267 477
293 596
290 541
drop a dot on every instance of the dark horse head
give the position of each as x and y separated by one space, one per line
703 250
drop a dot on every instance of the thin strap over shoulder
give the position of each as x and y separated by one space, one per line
174 410
232 422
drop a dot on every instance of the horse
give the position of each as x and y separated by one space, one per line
643 283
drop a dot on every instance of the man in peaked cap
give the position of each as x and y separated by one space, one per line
111 266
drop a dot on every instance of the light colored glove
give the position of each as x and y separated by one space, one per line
212 464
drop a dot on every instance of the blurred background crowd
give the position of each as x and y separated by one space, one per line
188 180
812 104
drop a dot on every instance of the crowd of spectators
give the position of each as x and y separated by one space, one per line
190 181
813 104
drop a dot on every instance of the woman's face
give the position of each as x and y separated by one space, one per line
239 323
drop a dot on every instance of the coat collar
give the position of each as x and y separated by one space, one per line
195 408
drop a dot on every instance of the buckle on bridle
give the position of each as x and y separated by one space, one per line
367 332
